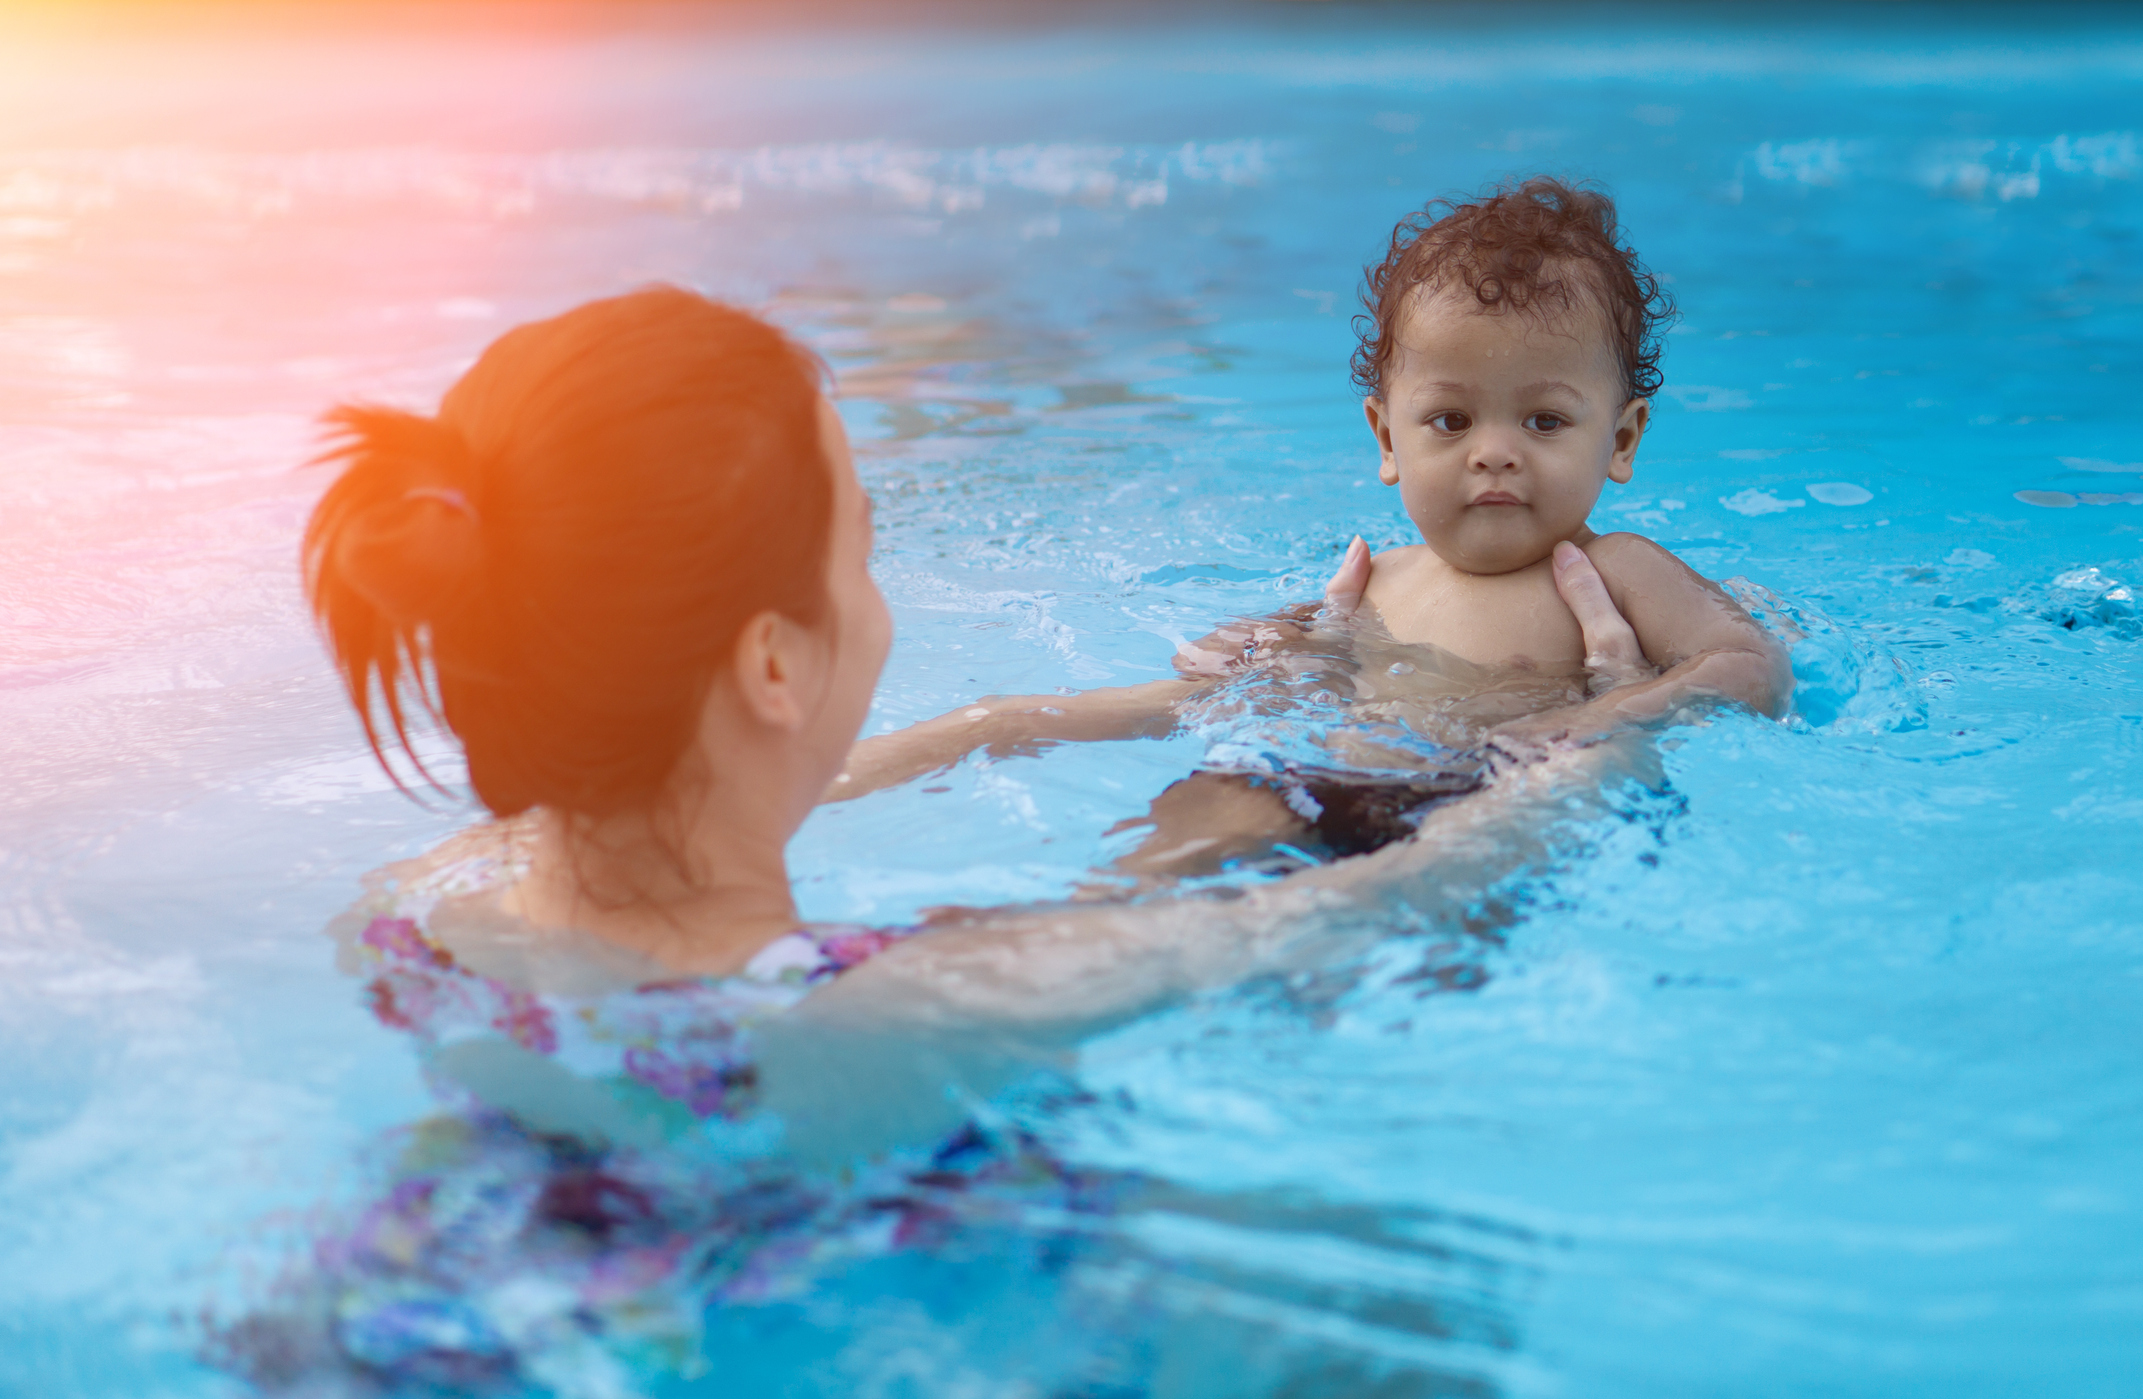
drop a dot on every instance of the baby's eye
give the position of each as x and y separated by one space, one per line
1451 422
1544 422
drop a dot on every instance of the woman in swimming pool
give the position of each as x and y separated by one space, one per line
626 565
629 557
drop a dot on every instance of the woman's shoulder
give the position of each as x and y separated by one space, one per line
490 855
390 921
486 855
439 920
488 996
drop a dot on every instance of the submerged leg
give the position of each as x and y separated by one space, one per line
1200 825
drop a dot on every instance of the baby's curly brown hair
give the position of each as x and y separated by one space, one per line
1513 249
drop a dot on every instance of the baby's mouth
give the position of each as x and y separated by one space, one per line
1496 498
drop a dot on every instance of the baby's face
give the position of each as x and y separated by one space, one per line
1500 429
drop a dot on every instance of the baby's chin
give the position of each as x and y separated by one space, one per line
1493 556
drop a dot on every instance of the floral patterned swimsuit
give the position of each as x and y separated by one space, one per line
599 1179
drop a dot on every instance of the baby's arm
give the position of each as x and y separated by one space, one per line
1705 648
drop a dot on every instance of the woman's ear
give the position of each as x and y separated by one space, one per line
769 669
1629 431
1380 428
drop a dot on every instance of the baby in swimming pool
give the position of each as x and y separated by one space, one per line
1507 368
1507 365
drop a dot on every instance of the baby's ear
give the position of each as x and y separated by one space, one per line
1380 428
1629 431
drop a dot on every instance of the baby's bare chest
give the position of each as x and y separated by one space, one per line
1512 619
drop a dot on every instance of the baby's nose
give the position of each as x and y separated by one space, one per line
1495 450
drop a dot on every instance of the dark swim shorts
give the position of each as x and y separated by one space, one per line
1351 813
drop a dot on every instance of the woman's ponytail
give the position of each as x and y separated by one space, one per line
394 548
558 565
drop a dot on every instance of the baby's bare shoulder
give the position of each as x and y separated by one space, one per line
1628 559
1677 612
1623 545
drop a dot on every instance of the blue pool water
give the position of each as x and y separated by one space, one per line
1814 1074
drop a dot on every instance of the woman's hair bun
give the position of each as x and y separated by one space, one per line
558 565
398 526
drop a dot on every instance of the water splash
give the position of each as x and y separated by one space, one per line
2084 598
1843 683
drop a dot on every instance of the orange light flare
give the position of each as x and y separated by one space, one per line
218 218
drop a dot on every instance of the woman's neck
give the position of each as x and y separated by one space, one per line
700 896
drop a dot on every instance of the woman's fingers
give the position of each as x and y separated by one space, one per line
1611 650
1344 593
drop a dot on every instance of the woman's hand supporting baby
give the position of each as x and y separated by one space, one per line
1735 663
1344 593
1612 653
1729 660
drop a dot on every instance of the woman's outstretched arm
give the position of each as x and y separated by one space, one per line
1076 967
892 1052
1007 724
